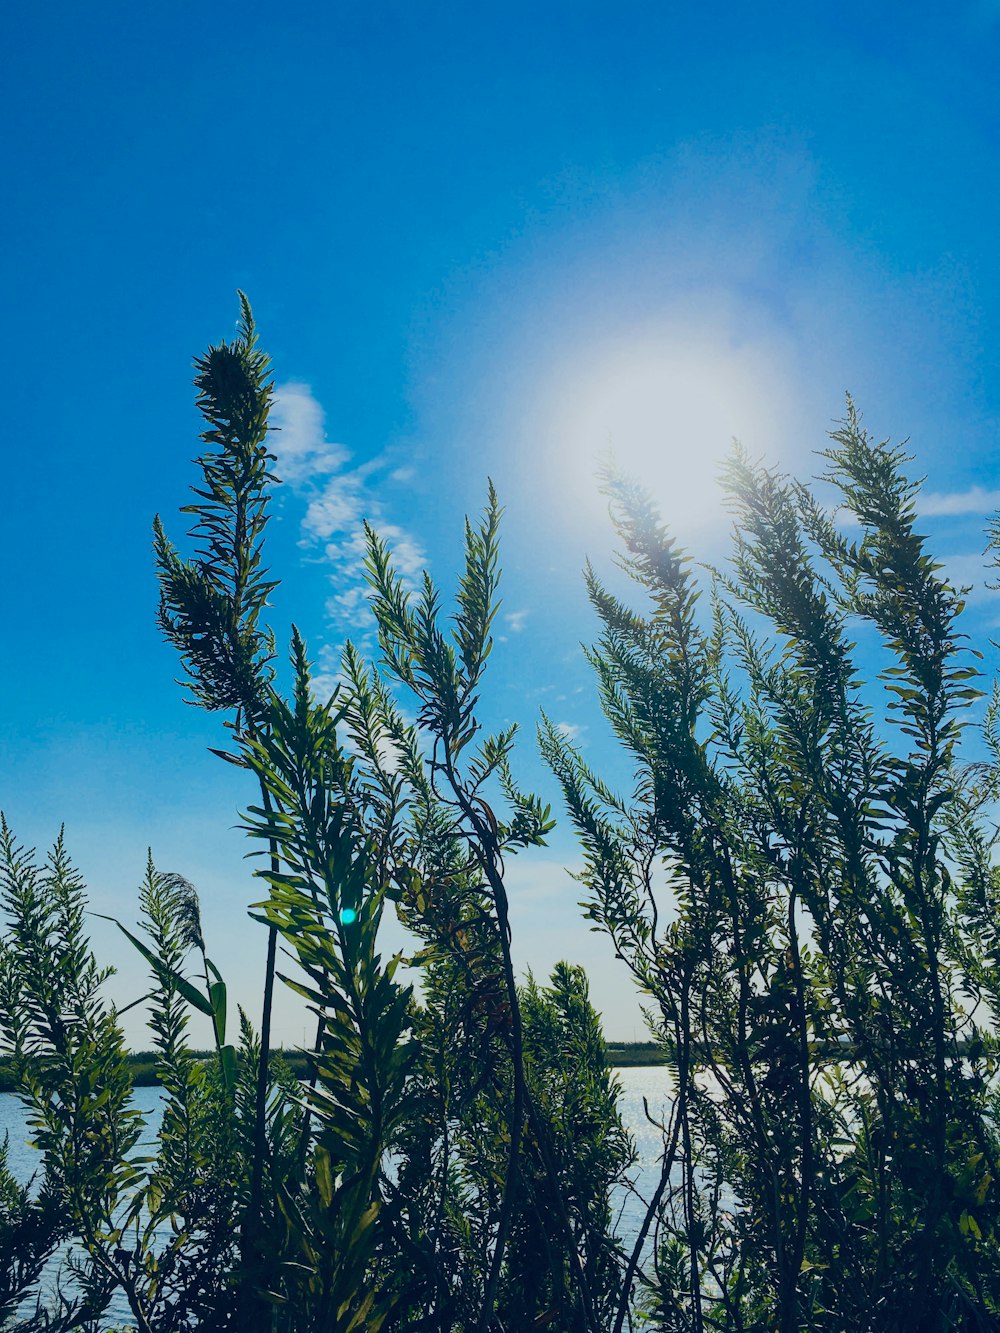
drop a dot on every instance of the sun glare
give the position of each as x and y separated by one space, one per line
667 405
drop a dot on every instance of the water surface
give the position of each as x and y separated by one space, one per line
651 1082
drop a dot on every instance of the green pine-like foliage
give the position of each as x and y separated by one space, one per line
799 882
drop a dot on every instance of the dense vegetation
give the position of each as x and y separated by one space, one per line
800 883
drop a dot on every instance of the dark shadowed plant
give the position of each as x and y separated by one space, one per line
799 882
325 900
69 1055
577 1100
211 609
480 1165
160 1228
31 1227
339 837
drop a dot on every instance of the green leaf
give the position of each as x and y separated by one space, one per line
166 974
217 999
324 1175
227 1058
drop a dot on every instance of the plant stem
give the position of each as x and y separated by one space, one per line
252 1227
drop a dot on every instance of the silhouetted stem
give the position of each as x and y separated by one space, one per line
488 851
252 1220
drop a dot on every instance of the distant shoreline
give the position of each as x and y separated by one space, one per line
621 1055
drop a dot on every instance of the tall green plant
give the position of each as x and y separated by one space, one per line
483 1161
70 1059
159 1228
577 1100
211 610
326 901
795 883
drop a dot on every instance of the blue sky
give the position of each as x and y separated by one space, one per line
479 239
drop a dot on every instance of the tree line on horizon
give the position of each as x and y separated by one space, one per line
144 1065
800 884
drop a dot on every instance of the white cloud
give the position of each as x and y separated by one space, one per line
407 553
972 572
516 620
336 509
325 684
299 440
570 730
338 501
349 607
976 500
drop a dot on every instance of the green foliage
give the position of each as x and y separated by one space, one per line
210 606
482 1178
329 864
73 1071
793 879
801 884
30 1229
211 610
162 1229
577 1101
323 1226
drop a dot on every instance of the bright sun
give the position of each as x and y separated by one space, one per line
668 404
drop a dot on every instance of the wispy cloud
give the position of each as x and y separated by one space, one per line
571 730
975 500
300 441
516 621
971 572
338 500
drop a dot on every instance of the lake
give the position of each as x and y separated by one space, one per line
651 1082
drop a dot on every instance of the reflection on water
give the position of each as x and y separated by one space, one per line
653 1083
23 1161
